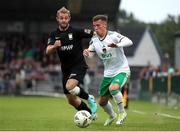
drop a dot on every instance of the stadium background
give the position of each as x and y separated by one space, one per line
24 28
26 70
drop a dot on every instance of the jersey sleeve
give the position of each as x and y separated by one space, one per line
120 40
91 46
91 49
51 39
117 37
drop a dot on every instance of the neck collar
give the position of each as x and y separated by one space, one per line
102 38
63 29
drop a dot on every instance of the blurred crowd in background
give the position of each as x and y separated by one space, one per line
159 71
23 62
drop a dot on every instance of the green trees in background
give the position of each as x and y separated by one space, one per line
163 31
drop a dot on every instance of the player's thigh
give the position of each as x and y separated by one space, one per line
72 78
78 73
104 87
71 83
64 81
120 79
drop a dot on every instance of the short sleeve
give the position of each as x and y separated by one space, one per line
91 46
51 39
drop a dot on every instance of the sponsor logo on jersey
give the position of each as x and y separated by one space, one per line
67 47
104 50
70 36
106 55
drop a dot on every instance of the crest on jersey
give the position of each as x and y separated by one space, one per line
104 49
70 36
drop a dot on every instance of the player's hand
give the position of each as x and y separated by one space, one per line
86 52
113 45
57 44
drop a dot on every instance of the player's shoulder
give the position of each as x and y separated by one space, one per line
53 32
110 33
74 28
85 30
115 34
94 38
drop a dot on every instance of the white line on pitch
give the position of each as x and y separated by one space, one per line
160 114
138 112
167 115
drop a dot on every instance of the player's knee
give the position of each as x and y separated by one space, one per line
69 86
114 87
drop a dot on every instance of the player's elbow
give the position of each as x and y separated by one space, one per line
130 42
48 51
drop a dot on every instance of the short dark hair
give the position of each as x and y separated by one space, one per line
100 17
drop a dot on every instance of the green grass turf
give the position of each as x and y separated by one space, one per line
55 114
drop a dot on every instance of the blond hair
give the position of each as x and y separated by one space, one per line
63 10
100 17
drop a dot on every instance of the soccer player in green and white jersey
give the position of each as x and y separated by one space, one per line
108 45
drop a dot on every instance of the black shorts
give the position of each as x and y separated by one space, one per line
77 72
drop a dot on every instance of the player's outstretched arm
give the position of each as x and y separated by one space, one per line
124 43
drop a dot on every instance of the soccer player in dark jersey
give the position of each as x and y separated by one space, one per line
66 41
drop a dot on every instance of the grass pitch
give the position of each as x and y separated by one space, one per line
55 114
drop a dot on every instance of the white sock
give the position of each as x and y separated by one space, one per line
109 109
118 98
